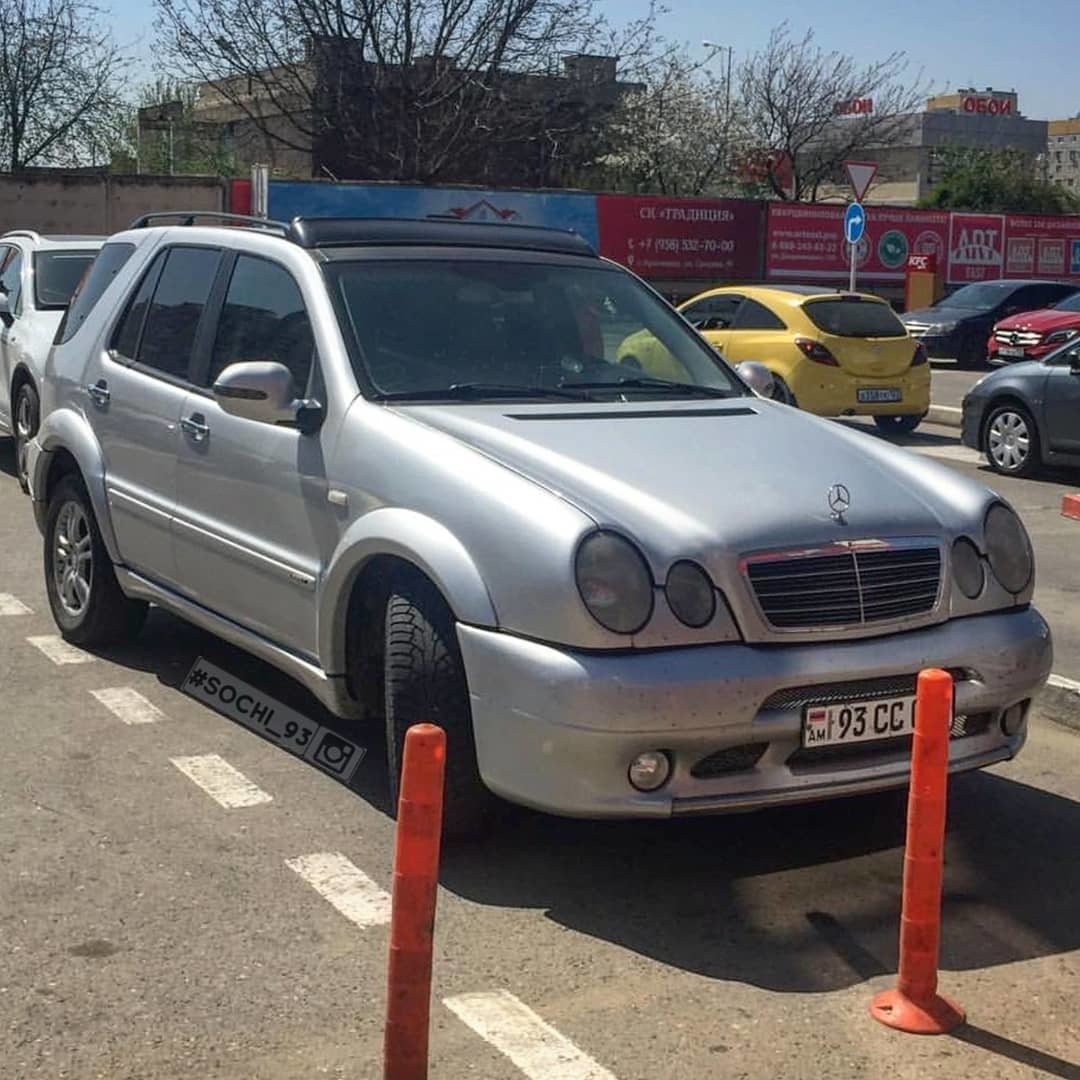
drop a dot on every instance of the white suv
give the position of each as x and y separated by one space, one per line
38 275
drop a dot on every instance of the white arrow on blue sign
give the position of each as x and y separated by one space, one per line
854 223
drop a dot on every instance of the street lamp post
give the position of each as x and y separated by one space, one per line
727 80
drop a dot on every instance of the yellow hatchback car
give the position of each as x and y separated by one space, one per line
830 353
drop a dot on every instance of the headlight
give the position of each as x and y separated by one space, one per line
967 568
1059 337
1008 548
942 328
690 594
614 581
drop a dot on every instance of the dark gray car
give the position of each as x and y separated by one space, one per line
1028 414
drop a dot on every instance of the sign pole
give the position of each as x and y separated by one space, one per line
851 280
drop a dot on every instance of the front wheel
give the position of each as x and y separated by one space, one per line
1011 441
782 392
86 600
27 413
425 682
899 425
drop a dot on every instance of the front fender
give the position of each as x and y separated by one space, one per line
414 538
66 430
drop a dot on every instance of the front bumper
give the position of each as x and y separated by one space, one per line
556 730
942 346
971 422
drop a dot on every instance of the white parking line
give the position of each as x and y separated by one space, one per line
226 785
534 1046
59 651
345 885
12 605
1064 684
129 705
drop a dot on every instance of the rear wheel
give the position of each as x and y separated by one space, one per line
425 682
1011 441
27 413
899 425
86 600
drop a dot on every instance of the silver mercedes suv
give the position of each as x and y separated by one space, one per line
402 462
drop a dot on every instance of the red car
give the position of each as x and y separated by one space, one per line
1032 334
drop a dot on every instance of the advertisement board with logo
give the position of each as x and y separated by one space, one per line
976 247
806 242
705 239
556 210
1041 246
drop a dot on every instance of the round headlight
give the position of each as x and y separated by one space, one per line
1008 548
690 594
614 581
967 568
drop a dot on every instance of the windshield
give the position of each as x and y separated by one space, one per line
484 329
981 297
56 273
1070 303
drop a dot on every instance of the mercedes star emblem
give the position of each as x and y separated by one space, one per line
839 502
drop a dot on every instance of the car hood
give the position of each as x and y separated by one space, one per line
942 315
1043 321
687 479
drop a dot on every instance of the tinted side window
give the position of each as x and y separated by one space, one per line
94 281
263 318
717 311
168 338
11 279
126 338
755 316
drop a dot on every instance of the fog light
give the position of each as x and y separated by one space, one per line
650 770
1013 720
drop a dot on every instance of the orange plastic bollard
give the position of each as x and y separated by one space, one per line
915 1005
412 918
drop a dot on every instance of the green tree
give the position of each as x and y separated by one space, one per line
995 181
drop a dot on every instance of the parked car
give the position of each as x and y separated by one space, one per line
37 277
1027 414
620 596
1033 334
957 326
830 353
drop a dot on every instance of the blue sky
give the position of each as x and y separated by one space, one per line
989 43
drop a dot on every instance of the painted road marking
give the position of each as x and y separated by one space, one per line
224 784
534 1046
12 605
1062 683
129 705
346 886
59 651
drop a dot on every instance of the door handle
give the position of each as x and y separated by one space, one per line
99 393
195 426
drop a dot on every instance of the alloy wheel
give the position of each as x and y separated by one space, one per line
73 559
24 432
1009 441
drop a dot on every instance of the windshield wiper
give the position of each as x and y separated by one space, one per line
479 391
645 383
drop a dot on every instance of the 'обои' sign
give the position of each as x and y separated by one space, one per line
989 106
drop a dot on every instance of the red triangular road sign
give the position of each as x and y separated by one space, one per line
861 175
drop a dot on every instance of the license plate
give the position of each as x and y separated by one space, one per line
858 721
869 396
1011 350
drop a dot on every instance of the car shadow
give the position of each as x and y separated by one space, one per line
795 899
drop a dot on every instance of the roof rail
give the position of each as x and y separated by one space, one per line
28 233
188 217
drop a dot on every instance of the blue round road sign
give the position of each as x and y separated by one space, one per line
854 223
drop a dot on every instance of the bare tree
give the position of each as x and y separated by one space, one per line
795 95
60 84
674 136
411 89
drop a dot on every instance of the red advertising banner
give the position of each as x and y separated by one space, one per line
1042 247
805 241
709 239
976 247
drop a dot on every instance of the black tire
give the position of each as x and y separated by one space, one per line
899 425
1022 456
631 362
26 415
104 615
424 681
782 392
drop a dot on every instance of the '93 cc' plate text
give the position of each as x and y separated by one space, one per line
858 721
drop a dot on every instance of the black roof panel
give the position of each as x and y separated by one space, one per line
385 232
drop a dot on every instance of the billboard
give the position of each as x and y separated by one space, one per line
1041 246
555 210
976 247
658 237
805 241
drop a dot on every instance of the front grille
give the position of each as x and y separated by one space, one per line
1023 338
730 759
850 588
796 698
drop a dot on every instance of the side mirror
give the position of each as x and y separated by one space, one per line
5 310
263 391
758 377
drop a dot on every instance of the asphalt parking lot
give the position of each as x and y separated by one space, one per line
181 898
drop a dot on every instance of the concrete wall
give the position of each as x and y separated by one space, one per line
97 204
